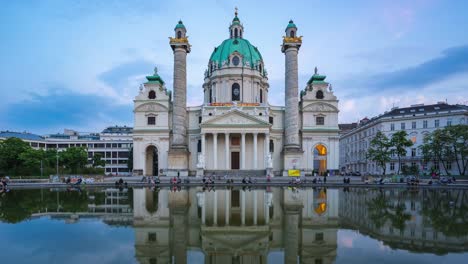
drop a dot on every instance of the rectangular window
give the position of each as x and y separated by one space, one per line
270 119
151 120
402 126
436 123
320 120
413 125
199 120
392 127
425 124
151 237
318 236
413 152
436 166
449 122
449 166
392 166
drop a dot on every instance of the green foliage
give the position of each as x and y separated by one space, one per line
10 150
447 145
399 144
74 158
98 161
379 150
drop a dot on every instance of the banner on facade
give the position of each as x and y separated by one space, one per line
294 173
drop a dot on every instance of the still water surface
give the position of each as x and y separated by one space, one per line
196 225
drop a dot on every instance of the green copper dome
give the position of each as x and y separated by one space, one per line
179 25
291 24
242 46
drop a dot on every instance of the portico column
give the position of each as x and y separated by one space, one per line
242 151
226 146
255 150
203 145
267 144
215 151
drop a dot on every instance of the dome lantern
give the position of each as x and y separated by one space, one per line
236 29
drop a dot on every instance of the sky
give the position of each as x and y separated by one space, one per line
78 64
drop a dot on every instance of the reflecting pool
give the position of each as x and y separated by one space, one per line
234 225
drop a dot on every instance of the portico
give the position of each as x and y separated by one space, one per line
235 150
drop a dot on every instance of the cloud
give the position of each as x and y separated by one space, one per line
451 62
65 109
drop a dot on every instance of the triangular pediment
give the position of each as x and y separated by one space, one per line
235 118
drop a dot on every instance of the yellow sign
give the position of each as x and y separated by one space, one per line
294 173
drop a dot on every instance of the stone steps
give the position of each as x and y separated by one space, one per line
236 173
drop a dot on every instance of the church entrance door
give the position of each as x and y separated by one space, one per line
235 160
152 165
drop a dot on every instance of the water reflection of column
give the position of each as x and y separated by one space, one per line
215 208
178 209
227 208
291 232
243 207
255 207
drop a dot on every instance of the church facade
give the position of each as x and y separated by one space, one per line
235 130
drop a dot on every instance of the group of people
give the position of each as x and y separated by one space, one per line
120 183
346 180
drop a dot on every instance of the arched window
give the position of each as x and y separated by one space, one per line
199 146
236 33
260 68
210 99
272 146
235 92
179 34
235 60
291 34
319 94
152 95
261 96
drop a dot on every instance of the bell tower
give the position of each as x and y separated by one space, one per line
236 29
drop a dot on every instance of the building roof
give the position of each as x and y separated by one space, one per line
249 52
20 135
347 126
117 130
179 25
291 25
421 108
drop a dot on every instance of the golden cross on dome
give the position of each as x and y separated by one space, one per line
235 12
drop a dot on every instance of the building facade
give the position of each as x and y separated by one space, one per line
113 144
417 120
235 128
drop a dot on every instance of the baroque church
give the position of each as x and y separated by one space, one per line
235 131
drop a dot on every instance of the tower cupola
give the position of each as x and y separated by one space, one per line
236 29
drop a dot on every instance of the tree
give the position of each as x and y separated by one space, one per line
10 150
446 146
379 150
457 144
74 158
399 144
31 160
98 161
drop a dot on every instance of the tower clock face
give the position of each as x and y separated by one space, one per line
236 91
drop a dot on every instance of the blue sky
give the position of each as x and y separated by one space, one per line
78 64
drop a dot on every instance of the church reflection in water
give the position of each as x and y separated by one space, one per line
236 225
